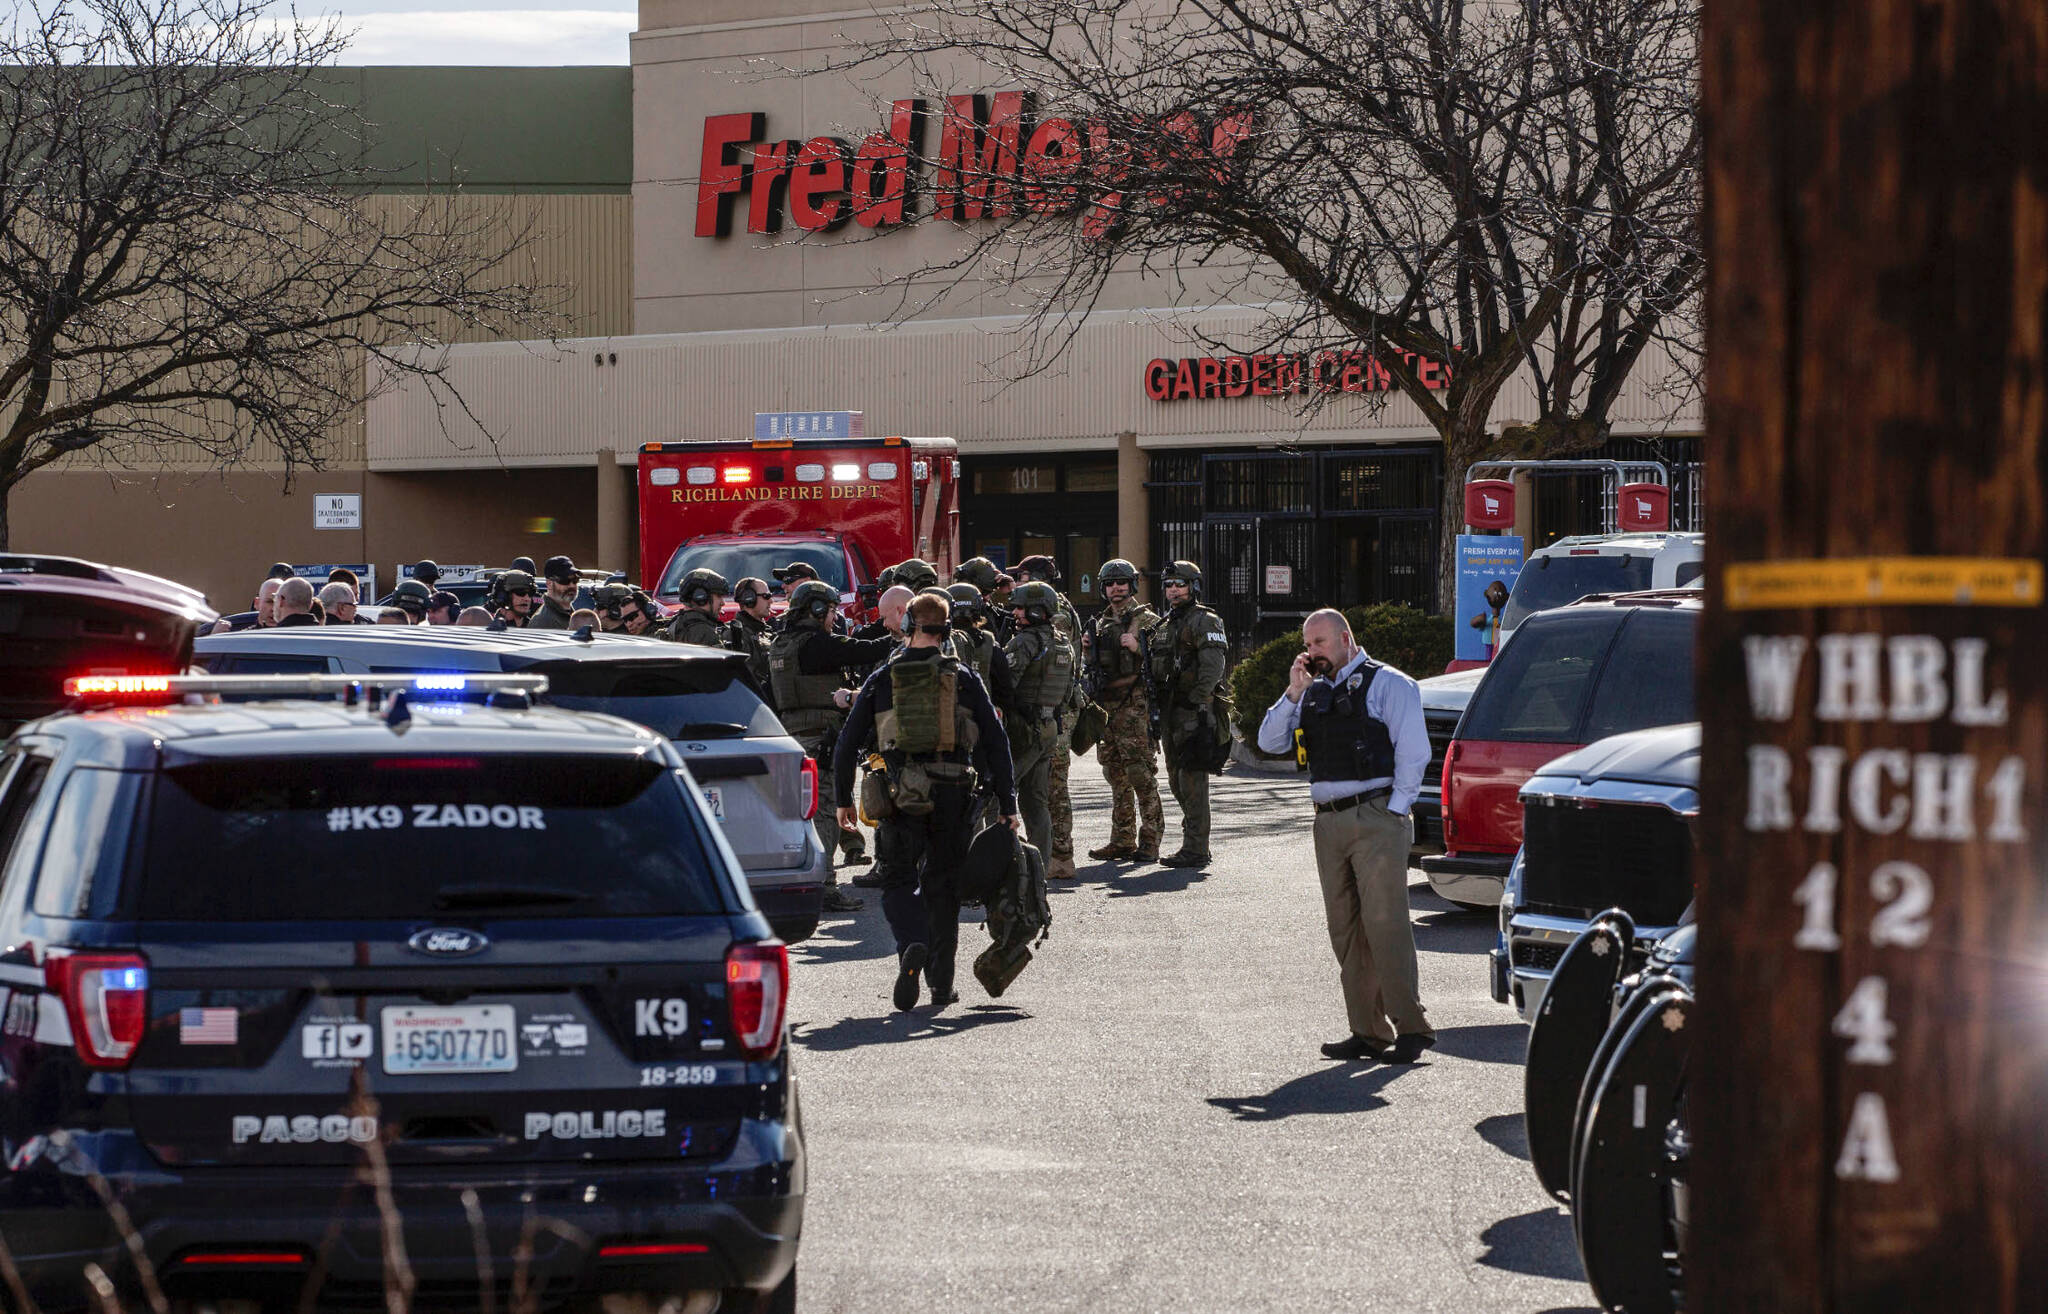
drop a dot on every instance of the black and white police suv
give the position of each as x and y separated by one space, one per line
404 991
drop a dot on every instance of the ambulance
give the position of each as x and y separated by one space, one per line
849 507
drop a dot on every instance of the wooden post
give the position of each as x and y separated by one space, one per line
1870 1095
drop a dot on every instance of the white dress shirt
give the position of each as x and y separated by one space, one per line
1394 701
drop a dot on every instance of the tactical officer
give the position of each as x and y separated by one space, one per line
1059 859
914 574
1368 745
748 632
1189 652
807 663
703 597
443 608
1042 671
413 598
925 712
512 598
559 603
429 574
525 564
622 609
1116 659
972 643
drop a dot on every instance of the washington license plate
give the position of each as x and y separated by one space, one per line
459 1038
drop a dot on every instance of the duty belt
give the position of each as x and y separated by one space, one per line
1353 800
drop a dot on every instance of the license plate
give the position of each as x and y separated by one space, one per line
459 1038
714 798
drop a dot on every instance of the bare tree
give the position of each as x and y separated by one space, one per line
196 260
1460 187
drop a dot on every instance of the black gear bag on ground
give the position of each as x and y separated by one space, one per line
1008 876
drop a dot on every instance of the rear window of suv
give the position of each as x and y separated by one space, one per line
1555 581
1536 689
677 700
369 838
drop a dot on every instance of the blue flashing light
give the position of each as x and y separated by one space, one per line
128 978
441 683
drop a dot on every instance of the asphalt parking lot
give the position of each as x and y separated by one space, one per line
1143 1122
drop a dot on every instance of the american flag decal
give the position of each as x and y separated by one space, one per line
207 1026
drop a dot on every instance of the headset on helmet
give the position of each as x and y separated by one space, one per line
701 586
1036 600
1118 570
812 601
1183 572
506 582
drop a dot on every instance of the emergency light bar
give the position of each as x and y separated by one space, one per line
160 689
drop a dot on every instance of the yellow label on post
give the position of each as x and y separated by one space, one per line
1883 582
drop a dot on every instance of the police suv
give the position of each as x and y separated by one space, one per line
319 1000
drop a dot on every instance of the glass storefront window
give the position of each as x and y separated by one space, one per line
1091 477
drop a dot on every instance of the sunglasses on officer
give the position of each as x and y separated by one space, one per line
519 593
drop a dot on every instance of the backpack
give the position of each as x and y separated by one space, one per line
1019 916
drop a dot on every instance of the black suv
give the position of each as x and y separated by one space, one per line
334 997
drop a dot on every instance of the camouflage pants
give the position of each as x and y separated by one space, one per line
1058 802
1136 818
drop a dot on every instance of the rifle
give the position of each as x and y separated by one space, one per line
1152 707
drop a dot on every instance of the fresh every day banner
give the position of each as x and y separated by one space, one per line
1487 566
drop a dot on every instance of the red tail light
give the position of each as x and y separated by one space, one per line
106 998
652 1250
757 992
243 1259
1443 804
810 788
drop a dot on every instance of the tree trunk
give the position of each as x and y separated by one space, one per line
6 489
1873 1053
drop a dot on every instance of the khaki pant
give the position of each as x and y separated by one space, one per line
1362 859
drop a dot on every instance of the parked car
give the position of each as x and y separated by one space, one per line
1602 666
61 617
1609 826
756 779
1443 702
1571 568
497 959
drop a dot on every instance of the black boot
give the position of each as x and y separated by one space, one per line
909 963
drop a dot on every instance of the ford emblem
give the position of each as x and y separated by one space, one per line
449 942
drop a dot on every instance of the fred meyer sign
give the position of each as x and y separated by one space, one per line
996 158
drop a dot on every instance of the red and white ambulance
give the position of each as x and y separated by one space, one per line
847 507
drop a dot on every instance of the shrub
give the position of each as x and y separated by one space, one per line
1410 640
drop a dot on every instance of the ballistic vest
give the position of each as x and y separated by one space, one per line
976 648
1111 657
694 626
803 702
1343 742
1047 677
925 719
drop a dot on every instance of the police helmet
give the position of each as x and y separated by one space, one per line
812 601
1183 572
610 599
887 579
979 572
525 564
701 586
1037 600
508 582
1117 570
414 596
966 600
1040 567
281 571
989 858
916 574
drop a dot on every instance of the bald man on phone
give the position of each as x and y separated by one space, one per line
1361 723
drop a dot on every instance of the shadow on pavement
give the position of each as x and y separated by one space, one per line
1338 1088
1505 1132
1501 1042
920 1023
1539 1244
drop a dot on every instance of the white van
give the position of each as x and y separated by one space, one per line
1569 569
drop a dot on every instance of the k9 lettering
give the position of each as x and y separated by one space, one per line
661 1017
433 816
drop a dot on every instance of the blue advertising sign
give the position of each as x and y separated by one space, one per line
1487 567
809 424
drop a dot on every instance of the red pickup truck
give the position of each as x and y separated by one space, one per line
1604 665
